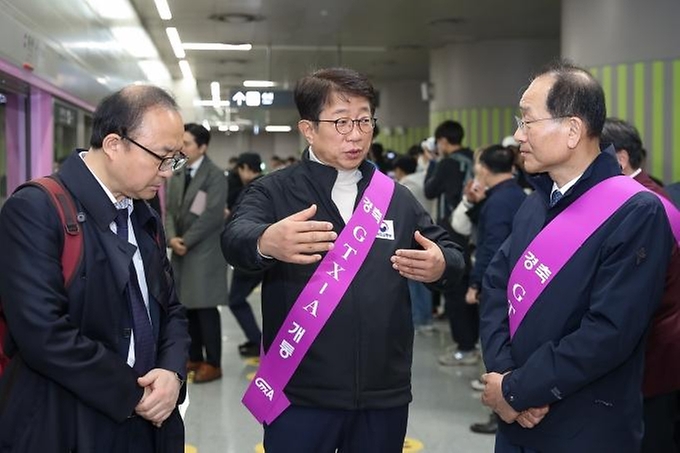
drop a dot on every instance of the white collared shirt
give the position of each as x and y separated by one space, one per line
136 258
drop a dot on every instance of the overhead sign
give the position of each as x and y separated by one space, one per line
264 98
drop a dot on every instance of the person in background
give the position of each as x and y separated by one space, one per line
352 388
444 181
194 219
249 169
661 383
421 299
98 365
564 346
234 185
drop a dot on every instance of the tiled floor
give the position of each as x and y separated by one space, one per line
444 405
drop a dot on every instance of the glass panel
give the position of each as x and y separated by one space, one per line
3 149
65 131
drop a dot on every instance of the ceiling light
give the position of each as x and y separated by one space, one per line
206 124
186 69
163 9
233 128
215 46
113 10
175 42
278 128
258 83
215 91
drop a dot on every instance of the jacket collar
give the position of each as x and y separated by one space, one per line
79 180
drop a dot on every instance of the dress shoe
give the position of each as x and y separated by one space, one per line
207 373
193 366
249 349
489 427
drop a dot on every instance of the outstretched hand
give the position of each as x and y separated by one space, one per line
297 239
425 265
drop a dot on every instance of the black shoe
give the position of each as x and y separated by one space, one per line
489 427
249 349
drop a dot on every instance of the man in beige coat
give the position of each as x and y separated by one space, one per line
194 219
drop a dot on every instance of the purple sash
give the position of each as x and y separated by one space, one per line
559 240
264 397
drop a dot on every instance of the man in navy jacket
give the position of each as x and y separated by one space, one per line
569 379
78 380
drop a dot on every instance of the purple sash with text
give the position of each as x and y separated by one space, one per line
264 397
560 239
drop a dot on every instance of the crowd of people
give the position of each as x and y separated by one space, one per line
555 255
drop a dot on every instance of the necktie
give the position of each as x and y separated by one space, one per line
187 178
141 325
555 197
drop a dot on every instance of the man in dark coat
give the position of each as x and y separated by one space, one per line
569 379
90 370
661 384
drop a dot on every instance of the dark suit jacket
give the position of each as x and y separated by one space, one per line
68 386
662 359
580 347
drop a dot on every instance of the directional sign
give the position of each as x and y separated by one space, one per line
263 99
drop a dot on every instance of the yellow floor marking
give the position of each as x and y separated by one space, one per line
250 376
252 361
190 449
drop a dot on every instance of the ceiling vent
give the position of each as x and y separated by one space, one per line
235 18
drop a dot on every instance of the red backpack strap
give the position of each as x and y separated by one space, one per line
71 254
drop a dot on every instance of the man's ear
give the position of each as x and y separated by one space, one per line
623 157
577 131
112 144
307 129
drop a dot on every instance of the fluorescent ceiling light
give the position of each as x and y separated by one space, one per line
278 128
258 83
215 46
215 92
206 124
175 42
204 103
163 9
135 41
233 128
186 69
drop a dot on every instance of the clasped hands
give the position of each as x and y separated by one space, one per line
161 390
493 398
299 240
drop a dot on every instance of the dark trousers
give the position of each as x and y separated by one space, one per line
310 430
660 415
135 435
463 317
206 333
503 445
242 284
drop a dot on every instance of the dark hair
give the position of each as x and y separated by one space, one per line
200 133
312 92
122 112
576 93
250 160
415 151
623 135
452 131
497 159
407 163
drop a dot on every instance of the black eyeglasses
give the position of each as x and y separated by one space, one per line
346 125
173 163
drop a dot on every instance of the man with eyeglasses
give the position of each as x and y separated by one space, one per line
337 242
97 365
567 299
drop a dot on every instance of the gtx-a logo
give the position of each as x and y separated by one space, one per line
265 388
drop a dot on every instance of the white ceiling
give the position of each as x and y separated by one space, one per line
386 39
389 40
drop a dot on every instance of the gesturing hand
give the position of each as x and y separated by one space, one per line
297 239
425 265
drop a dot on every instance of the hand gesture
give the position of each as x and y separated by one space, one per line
161 390
297 239
425 265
